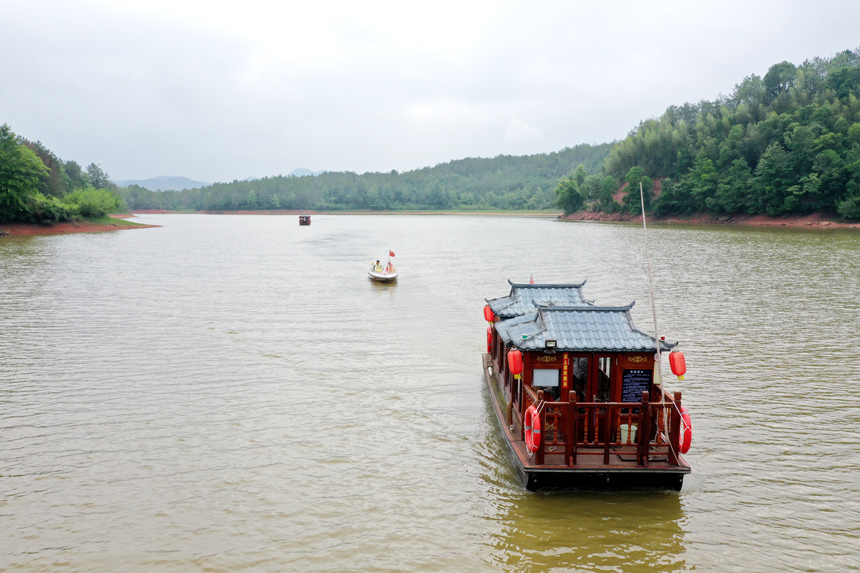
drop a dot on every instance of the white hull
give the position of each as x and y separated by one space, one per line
382 276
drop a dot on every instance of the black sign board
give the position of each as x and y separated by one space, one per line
633 383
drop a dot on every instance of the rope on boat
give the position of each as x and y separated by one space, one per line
651 286
654 312
656 333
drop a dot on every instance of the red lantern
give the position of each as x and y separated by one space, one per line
488 313
515 362
678 364
489 340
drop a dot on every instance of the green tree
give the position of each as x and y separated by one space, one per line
606 195
703 180
850 208
772 183
732 194
778 79
21 173
568 197
634 177
97 177
55 184
579 174
590 186
75 176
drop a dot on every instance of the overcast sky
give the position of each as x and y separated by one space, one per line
217 90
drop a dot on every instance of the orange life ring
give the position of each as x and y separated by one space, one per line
532 424
686 431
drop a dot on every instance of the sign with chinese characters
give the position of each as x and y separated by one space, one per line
633 383
565 369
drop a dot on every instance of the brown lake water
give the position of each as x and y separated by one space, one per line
232 392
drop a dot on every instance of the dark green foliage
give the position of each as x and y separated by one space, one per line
75 176
605 197
788 143
850 209
55 182
634 178
97 178
21 174
568 196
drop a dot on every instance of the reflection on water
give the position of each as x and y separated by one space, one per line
581 530
233 392
635 532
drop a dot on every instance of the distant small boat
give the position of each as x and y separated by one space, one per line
304 219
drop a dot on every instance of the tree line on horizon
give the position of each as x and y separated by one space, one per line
504 182
787 143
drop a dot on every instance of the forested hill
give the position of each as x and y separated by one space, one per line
784 144
503 182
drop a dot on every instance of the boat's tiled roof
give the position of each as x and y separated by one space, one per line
578 329
524 297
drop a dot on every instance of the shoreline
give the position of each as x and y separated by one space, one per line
813 221
554 214
101 226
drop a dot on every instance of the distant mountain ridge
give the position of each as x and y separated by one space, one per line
302 172
169 183
164 183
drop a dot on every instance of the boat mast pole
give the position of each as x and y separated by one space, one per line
653 304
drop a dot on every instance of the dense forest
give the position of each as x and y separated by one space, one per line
504 182
784 144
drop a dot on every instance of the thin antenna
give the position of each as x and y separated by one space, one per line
653 304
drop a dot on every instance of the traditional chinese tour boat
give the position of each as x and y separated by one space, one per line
383 274
574 390
304 219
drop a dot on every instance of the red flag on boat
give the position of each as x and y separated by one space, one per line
532 280
390 253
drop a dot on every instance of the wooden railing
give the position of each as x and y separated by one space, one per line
583 431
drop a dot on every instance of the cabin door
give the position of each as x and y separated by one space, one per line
601 374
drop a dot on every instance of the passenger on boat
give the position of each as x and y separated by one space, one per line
389 268
377 267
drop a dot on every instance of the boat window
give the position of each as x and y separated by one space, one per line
546 379
579 378
604 375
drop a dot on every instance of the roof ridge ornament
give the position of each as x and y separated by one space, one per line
547 285
553 307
